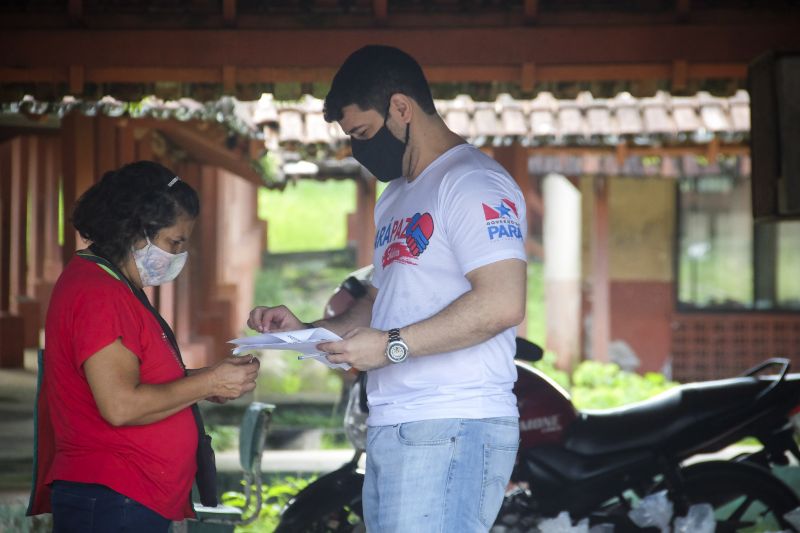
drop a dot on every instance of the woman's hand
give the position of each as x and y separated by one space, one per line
265 319
233 377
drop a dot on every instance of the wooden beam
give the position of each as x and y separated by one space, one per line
77 79
75 10
625 150
526 73
229 12
325 48
530 10
209 152
528 77
682 7
229 80
380 10
680 74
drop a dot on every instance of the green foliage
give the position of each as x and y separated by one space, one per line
335 440
223 437
268 165
307 215
306 417
535 304
548 365
598 385
303 286
595 385
274 496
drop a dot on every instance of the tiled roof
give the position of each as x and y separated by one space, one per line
543 120
306 145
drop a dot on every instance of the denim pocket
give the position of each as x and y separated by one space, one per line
72 512
498 462
429 432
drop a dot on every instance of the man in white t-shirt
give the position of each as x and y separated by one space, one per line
437 330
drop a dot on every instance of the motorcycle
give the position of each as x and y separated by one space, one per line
599 465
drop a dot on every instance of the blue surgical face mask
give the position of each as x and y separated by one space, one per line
382 154
157 266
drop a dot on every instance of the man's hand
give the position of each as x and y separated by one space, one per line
268 319
233 377
362 348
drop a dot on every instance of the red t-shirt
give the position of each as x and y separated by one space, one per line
153 464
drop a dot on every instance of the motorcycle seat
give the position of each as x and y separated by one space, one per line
654 421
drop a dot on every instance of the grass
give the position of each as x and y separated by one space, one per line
308 215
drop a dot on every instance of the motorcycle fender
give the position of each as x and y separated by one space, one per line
331 491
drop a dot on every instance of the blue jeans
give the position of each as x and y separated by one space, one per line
438 476
90 508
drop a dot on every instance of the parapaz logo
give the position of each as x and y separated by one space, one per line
409 238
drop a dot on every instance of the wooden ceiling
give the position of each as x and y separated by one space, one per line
205 48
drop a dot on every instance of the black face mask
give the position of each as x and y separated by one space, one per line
382 154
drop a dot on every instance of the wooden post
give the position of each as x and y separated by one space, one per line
105 146
11 341
26 305
78 171
601 315
52 256
19 219
364 221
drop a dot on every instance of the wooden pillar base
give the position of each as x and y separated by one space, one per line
29 310
12 352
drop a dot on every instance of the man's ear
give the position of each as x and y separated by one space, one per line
401 107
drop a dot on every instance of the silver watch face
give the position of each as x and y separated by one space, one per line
397 351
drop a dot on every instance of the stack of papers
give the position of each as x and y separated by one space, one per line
303 340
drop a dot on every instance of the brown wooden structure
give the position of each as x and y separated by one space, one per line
207 48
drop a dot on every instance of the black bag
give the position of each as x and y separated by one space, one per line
206 477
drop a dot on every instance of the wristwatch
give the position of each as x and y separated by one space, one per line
396 348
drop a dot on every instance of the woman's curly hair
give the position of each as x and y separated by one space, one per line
129 203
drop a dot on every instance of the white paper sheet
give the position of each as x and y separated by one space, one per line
303 340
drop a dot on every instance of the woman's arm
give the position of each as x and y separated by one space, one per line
113 376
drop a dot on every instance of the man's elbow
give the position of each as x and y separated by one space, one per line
513 316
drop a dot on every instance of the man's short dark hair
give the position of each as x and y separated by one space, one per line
369 78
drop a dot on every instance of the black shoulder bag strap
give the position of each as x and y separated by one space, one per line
206 477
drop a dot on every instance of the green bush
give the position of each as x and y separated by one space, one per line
274 497
223 438
596 385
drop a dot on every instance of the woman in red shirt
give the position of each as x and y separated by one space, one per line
114 388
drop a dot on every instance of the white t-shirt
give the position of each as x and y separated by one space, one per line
463 212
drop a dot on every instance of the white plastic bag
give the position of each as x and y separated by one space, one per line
653 511
793 516
699 519
563 524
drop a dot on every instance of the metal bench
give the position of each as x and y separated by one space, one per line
252 439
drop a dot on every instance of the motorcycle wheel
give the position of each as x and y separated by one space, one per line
746 498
